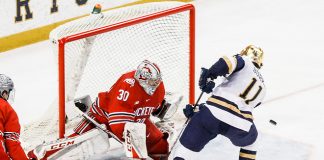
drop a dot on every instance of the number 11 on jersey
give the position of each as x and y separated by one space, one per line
248 89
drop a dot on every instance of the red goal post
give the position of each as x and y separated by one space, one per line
146 18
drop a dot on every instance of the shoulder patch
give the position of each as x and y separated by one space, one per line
130 81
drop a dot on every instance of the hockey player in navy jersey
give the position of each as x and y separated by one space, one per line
228 111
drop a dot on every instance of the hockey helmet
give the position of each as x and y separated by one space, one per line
6 86
149 76
255 53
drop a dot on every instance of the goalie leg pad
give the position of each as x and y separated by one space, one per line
135 140
47 149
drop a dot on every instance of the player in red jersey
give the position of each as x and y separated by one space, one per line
9 124
133 98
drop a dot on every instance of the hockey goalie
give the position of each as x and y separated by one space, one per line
123 112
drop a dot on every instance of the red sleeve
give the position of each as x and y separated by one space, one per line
3 154
11 132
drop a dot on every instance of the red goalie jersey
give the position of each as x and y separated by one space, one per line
9 133
127 101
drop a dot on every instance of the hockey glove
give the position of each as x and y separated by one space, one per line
205 85
188 111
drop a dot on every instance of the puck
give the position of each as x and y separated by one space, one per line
273 122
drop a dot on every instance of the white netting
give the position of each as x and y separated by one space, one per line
106 56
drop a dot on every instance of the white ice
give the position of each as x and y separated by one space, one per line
291 35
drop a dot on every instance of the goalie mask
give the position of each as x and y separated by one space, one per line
6 87
255 53
148 75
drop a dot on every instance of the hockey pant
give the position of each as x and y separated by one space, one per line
204 127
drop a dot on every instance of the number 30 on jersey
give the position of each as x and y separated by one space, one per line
123 95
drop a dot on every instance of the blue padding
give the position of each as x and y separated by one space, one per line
240 63
220 68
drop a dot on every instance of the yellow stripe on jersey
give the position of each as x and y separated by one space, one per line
230 106
229 64
249 156
235 61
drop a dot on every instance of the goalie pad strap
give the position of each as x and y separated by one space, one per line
168 106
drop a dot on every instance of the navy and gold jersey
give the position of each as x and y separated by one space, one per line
233 101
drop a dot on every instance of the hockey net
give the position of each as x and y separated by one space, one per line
95 50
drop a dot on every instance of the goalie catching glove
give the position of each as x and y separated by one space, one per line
161 112
169 106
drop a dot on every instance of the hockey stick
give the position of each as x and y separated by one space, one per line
186 123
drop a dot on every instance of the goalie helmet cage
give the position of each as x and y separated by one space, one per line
95 50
